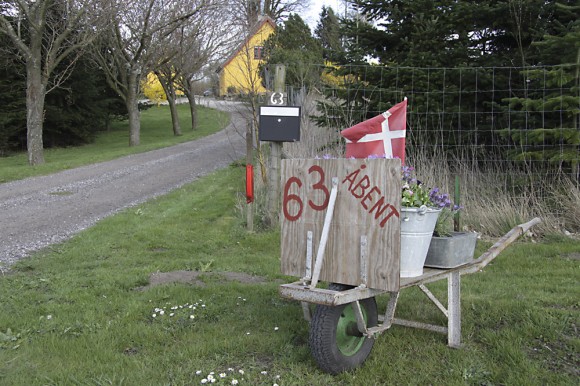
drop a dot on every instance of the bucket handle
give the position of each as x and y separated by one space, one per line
421 211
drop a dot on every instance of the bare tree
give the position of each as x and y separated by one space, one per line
203 42
127 52
249 11
45 33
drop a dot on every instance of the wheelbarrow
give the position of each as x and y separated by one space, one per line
345 320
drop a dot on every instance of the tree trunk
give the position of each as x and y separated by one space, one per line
35 95
169 90
174 116
191 98
133 110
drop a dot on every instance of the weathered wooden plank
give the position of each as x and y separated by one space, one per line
367 204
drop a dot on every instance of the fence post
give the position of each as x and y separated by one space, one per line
250 129
457 199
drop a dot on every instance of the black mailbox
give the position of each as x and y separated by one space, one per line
279 123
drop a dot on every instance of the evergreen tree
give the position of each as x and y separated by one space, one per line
12 101
442 53
293 45
547 126
74 112
328 33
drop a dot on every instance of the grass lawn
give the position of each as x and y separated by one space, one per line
156 133
82 313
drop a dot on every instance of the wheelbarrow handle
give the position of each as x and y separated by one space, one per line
526 226
499 246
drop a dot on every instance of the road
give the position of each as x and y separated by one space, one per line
40 211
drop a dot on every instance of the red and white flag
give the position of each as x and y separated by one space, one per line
381 136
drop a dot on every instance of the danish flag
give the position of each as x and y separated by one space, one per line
381 136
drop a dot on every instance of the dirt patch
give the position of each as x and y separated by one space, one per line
573 256
193 278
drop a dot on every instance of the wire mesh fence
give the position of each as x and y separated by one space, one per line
519 124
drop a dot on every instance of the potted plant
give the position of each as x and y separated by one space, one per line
449 249
420 209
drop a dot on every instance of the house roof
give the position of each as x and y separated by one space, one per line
264 19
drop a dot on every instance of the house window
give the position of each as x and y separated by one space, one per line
258 52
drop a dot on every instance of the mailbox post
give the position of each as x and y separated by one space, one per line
278 124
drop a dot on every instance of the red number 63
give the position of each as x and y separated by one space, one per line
291 197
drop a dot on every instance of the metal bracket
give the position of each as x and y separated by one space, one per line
360 320
363 259
308 273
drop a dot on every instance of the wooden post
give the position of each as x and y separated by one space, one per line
454 309
276 153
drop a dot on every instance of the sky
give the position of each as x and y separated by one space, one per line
312 14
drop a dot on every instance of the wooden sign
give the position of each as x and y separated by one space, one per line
364 238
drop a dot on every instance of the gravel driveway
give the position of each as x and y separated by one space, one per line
40 211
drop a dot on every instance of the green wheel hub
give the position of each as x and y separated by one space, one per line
348 338
335 341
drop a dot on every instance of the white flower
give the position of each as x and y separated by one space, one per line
230 369
247 333
48 317
204 380
234 381
191 316
198 372
264 372
241 371
161 312
222 375
154 315
276 328
171 314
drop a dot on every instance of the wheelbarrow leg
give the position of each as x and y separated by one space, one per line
454 309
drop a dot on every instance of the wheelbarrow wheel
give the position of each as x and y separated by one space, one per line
335 342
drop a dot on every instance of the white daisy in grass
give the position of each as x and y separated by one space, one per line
198 372
234 381
222 375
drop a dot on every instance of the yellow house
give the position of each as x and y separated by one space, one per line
240 72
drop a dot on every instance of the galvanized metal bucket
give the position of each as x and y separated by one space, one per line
417 225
